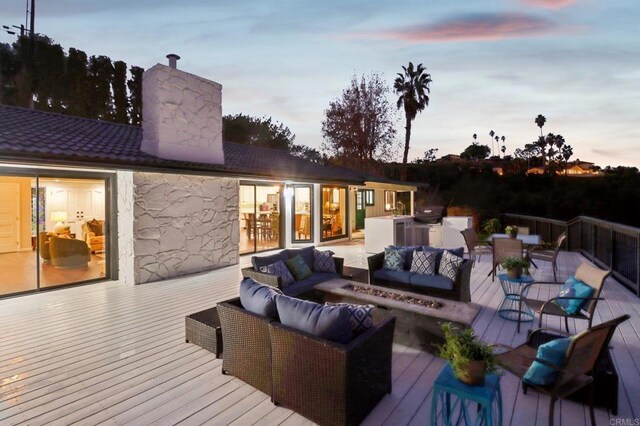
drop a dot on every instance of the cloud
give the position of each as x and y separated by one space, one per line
549 4
478 27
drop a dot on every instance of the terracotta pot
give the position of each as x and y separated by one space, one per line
474 374
515 272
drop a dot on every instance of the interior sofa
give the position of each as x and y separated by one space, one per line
68 252
430 285
298 288
93 234
328 382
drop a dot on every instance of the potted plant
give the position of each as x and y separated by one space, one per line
469 357
511 231
515 266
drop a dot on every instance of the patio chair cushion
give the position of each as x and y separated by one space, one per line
360 316
259 261
573 288
323 261
403 277
329 322
449 265
553 352
259 299
424 262
306 253
394 259
431 281
299 267
279 269
440 251
306 285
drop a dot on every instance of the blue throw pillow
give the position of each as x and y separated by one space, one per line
329 322
306 253
394 259
360 316
299 268
440 251
259 261
553 352
279 269
259 299
323 261
573 288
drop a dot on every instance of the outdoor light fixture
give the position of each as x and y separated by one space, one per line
59 217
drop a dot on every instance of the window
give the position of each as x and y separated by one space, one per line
302 213
259 217
389 200
369 197
334 212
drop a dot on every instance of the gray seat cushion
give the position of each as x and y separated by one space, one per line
403 277
329 322
306 285
259 261
431 281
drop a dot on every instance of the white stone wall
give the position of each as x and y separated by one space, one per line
181 116
183 224
125 226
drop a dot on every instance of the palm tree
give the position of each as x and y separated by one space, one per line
413 87
540 120
491 133
504 147
475 138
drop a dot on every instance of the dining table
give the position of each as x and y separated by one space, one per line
527 239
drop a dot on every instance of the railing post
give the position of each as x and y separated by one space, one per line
638 264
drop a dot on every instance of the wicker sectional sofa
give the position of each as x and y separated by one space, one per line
325 381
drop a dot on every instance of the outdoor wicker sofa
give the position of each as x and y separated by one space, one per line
460 292
328 382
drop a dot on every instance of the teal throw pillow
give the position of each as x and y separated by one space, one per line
573 288
553 352
394 259
299 268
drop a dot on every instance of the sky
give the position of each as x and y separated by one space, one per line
495 64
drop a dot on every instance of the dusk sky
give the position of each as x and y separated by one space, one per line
495 65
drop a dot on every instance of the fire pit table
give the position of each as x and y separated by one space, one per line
418 317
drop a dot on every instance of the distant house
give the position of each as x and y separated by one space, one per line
576 168
86 200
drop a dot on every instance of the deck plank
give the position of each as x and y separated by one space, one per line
110 353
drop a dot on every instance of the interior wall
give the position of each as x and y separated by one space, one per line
80 209
25 208
183 224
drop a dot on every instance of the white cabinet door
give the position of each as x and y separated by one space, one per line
9 214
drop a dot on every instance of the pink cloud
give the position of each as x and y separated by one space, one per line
484 27
549 4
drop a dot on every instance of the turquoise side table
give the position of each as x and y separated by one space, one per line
515 290
450 397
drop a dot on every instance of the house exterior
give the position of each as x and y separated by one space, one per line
86 200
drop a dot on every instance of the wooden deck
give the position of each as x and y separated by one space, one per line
115 354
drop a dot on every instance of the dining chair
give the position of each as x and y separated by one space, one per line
476 250
502 249
547 255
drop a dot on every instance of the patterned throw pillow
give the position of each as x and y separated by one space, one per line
573 288
279 269
393 259
360 316
323 261
449 265
424 262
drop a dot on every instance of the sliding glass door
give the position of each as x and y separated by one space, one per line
334 212
260 218
302 203
54 231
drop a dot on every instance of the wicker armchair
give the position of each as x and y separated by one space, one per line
247 345
590 275
327 382
502 249
540 253
577 370
473 245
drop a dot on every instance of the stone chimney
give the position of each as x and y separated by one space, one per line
181 115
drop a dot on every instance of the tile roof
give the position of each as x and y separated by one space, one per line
55 139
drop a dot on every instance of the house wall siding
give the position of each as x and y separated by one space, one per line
183 224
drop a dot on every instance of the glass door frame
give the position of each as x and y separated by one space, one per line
293 213
281 204
111 224
347 227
